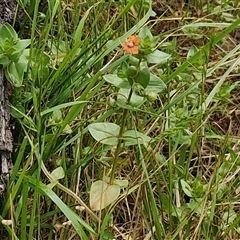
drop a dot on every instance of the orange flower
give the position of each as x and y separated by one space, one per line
131 45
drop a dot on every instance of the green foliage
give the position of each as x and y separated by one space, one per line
12 55
106 133
111 145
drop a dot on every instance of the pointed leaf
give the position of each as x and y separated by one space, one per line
79 30
122 183
155 85
117 81
144 31
7 32
14 72
135 100
157 57
143 77
20 46
186 188
106 133
133 137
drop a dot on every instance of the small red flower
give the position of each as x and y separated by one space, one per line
131 45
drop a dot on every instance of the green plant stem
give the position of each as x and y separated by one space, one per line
122 127
125 111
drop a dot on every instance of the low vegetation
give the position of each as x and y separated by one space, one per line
125 117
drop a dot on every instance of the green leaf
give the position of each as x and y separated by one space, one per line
135 100
143 77
79 30
186 188
15 113
7 32
155 85
57 173
117 81
131 74
122 183
157 57
57 116
106 133
133 137
144 31
4 60
14 73
166 204
133 60
103 194
61 106
192 51
20 47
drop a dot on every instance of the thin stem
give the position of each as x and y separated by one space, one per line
118 149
